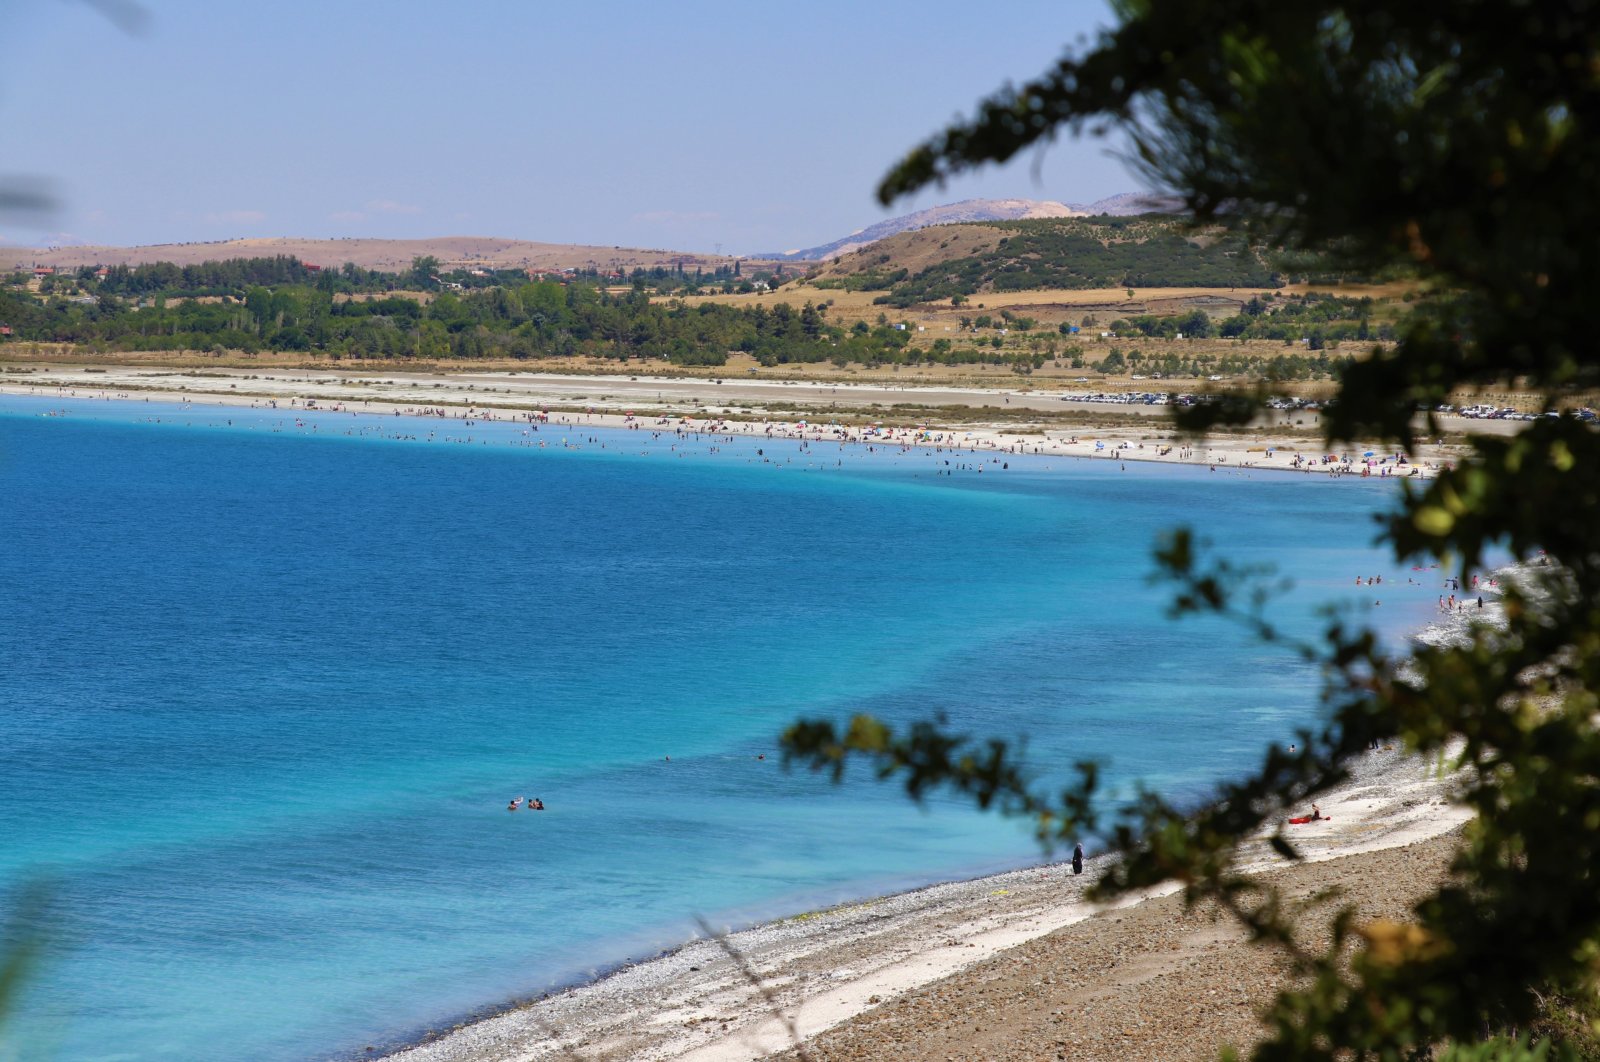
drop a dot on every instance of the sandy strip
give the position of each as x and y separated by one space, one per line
828 967
605 402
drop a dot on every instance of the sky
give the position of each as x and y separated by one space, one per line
746 127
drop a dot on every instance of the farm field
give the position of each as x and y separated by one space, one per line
1050 306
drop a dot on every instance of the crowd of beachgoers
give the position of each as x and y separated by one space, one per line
994 442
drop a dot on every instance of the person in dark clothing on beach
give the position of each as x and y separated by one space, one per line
1077 859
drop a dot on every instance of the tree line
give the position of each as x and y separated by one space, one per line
1451 142
426 273
539 319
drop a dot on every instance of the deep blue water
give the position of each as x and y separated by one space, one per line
267 683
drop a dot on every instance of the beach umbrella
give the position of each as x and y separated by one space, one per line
1367 454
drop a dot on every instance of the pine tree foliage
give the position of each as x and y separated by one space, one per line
1458 139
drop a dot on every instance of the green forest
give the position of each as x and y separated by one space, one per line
233 275
280 305
515 318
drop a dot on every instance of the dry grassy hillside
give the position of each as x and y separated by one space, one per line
969 260
914 251
486 251
917 250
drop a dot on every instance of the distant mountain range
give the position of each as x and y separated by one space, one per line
390 255
496 252
1120 205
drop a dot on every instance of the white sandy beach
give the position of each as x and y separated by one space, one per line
1285 443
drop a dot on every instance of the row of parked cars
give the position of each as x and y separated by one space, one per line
1130 398
1487 412
1163 398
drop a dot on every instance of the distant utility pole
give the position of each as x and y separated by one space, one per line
719 250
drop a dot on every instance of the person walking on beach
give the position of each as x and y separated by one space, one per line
1077 859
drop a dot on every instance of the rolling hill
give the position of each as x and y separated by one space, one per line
949 214
1122 205
492 252
388 255
930 264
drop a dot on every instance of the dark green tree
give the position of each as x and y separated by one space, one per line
1454 141
423 273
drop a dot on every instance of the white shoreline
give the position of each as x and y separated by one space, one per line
460 399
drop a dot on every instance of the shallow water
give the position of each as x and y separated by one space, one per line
267 681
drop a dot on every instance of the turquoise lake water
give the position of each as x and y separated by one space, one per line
268 680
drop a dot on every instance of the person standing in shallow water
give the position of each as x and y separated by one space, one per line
1077 859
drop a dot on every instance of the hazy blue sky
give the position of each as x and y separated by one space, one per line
759 126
